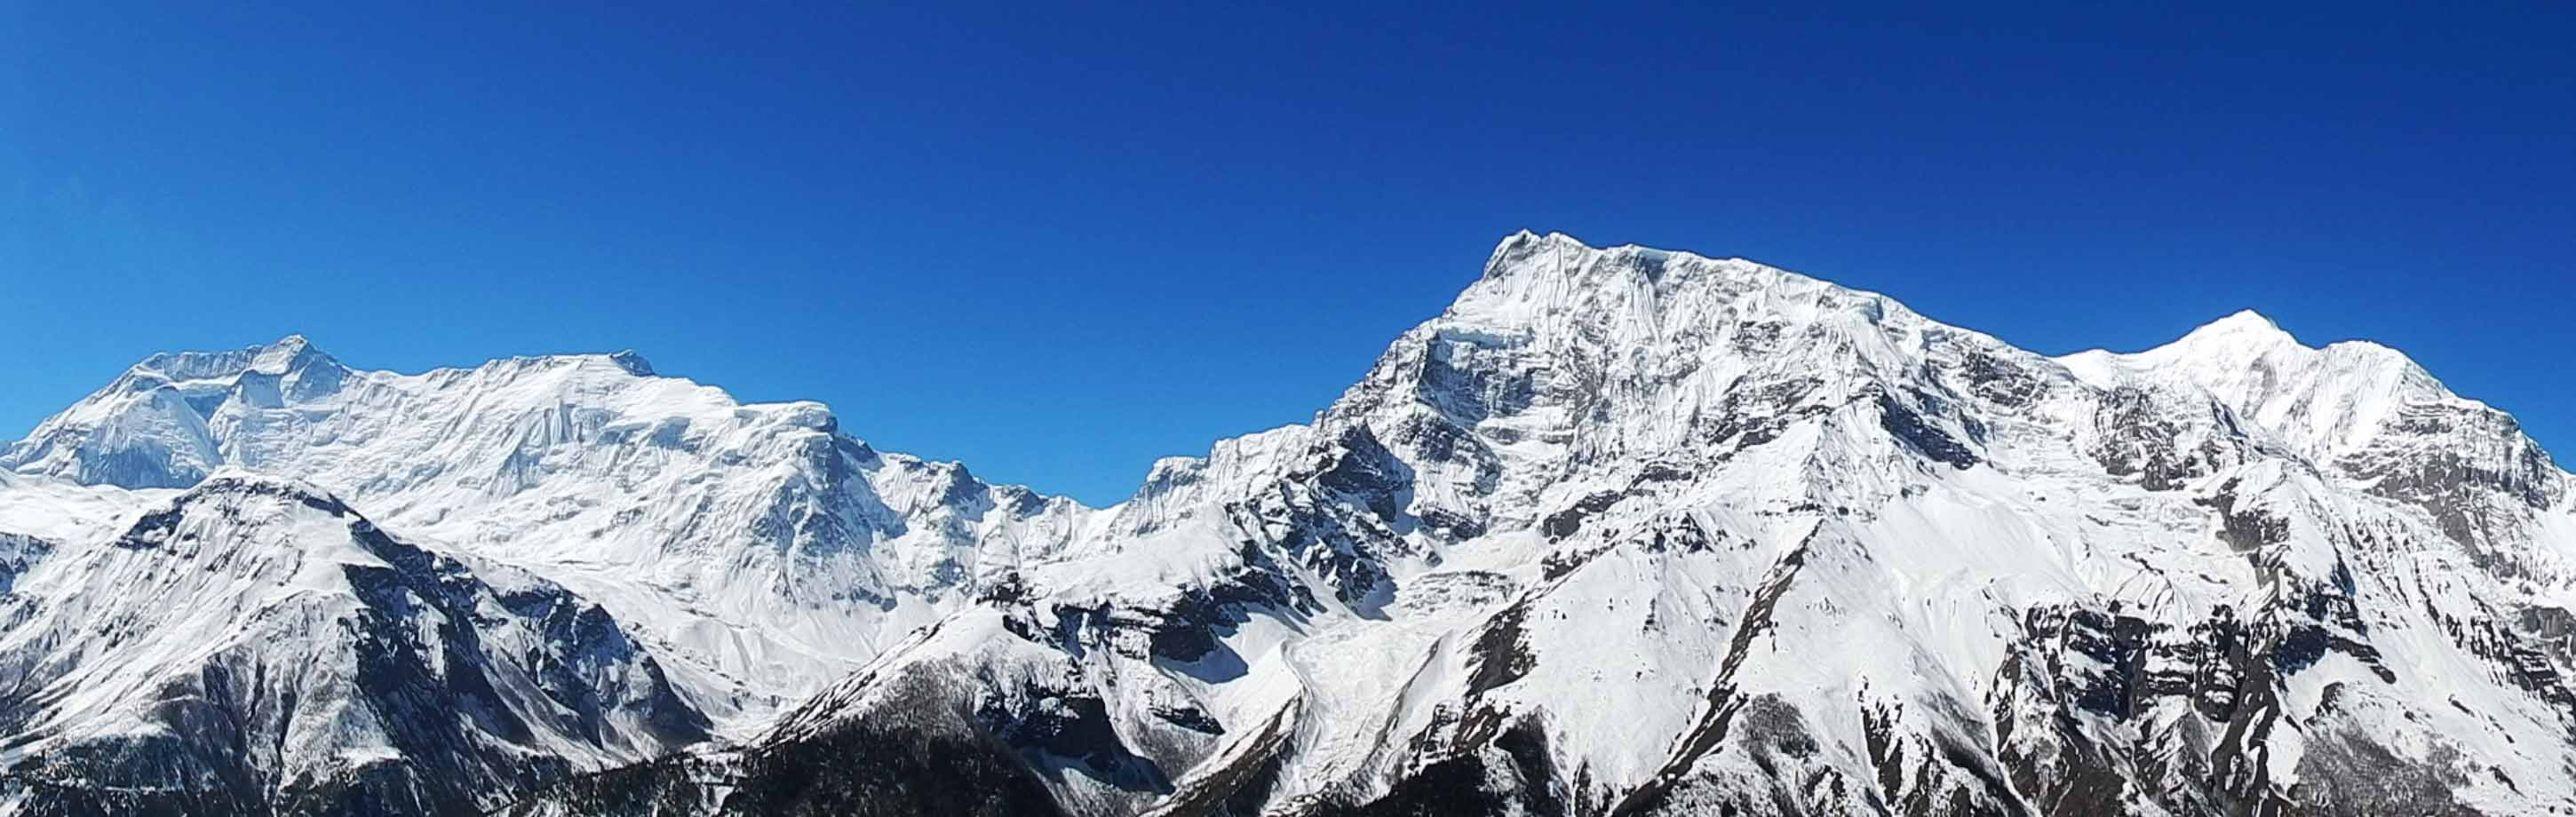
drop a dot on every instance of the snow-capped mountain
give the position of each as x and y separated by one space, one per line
252 644
765 551
1623 531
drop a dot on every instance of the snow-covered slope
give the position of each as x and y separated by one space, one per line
1622 531
1634 532
254 645
762 549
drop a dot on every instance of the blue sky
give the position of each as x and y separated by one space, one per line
1056 244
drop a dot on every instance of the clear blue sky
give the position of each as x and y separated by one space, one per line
1057 244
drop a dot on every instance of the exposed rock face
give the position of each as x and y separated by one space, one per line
1621 532
254 646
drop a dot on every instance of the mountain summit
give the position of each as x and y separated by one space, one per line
1623 531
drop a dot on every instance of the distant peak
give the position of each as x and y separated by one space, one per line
2245 320
287 354
2245 328
284 355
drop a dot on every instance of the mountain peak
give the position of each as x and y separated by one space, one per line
284 355
1515 249
1558 256
231 480
2228 344
2245 325
287 354
1526 236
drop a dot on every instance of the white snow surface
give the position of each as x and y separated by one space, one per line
1654 507
259 613
762 550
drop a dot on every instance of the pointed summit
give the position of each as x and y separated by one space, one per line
285 355
2244 325
2229 343
288 354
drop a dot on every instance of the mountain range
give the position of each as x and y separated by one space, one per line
1622 531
